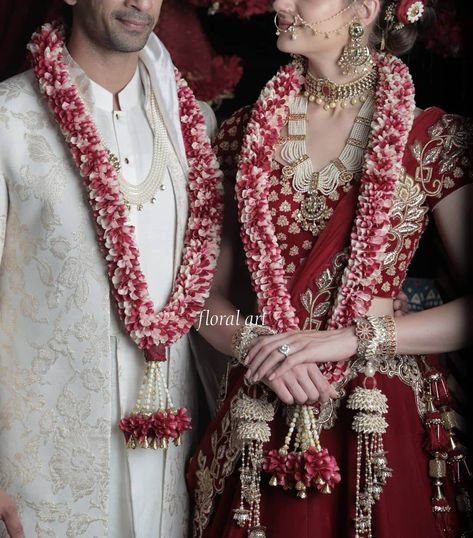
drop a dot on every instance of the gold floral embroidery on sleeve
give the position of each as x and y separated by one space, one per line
407 218
450 137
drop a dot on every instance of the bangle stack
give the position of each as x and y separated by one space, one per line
244 336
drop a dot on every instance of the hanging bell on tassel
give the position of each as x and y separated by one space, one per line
257 532
241 516
438 387
457 460
301 490
131 442
438 438
326 490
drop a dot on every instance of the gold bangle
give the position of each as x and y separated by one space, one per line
376 337
365 334
243 336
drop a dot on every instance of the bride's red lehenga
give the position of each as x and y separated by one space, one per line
437 162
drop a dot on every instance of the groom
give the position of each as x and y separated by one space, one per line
68 368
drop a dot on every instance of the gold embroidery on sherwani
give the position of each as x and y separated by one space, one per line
211 475
4 116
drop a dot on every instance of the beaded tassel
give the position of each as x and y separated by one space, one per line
371 463
441 425
154 420
251 417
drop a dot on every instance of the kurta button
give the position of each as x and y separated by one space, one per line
127 160
117 116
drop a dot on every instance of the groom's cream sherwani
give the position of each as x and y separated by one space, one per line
67 369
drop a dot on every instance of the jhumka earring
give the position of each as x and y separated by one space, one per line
356 56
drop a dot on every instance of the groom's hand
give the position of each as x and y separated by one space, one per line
9 516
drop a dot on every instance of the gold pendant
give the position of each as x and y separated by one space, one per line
313 213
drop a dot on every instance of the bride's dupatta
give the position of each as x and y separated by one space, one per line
326 261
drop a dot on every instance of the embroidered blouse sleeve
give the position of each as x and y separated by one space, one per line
443 154
3 212
210 120
228 143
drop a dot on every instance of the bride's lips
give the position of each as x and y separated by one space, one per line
284 25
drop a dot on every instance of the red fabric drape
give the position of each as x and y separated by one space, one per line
18 20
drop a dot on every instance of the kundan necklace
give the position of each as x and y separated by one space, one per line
154 420
328 94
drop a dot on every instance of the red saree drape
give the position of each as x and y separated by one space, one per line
404 510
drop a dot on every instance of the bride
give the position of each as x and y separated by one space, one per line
336 418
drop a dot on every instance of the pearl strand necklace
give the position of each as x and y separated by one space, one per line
145 191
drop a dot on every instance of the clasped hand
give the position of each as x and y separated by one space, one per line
297 378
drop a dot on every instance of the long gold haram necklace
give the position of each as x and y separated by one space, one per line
145 191
314 212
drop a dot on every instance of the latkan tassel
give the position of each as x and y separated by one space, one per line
438 438
308 464
438 387
443 516
372 471
250 418
440 506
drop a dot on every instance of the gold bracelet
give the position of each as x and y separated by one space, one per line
243 337
366 338
376 337
385 328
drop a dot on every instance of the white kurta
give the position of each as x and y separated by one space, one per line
67 370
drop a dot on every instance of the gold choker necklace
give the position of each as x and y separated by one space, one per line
329 94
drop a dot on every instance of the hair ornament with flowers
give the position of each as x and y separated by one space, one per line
402 12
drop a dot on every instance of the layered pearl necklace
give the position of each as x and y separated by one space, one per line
314 212
146 191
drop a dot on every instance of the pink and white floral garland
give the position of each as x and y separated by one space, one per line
392 122
152 331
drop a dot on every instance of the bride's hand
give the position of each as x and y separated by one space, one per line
303 384
265 359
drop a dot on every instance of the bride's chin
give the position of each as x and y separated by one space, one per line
285 44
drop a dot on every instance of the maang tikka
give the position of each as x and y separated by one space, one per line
356 57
